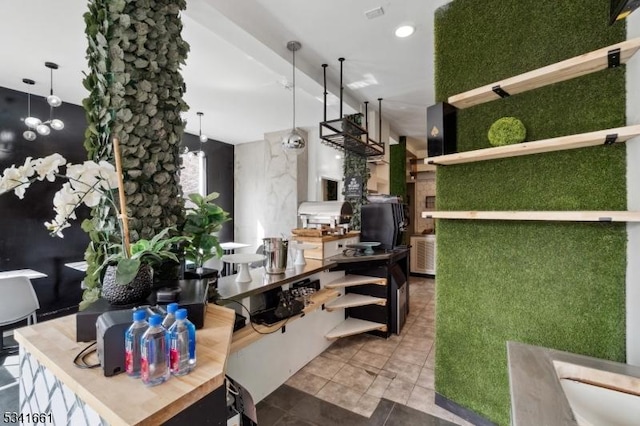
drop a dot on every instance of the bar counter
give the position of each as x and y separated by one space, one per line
48 349
260 282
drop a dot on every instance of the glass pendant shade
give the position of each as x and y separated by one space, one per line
54 101
43 129
32 122
29 135
201 137
57 124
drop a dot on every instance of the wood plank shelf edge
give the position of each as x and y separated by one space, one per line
561 143
562 216
560 71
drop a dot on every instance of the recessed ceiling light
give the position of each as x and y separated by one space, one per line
405 31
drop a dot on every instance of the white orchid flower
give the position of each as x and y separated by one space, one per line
87 183
57 227
47 167
27 169
14 179
66 200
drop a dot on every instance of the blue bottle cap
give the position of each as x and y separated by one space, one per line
139 315
181 314
155 320
172 308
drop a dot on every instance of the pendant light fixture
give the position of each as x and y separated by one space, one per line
31 122
34 123
293 141
53 100
201 137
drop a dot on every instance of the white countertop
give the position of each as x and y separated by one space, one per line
29 273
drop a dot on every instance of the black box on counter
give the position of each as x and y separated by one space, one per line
191 294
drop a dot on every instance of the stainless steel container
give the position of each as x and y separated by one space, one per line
275 249
332 213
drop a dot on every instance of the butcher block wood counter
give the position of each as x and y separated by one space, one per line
122 400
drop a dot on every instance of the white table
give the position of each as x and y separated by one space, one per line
78 266
243 260
300 248
229 248
29 273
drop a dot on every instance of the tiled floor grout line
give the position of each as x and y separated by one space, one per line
389 414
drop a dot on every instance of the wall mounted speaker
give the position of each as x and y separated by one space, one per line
441 129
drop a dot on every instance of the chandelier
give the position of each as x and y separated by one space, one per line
33 123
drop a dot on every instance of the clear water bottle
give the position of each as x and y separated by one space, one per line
132 342
154 361
170 318
181 344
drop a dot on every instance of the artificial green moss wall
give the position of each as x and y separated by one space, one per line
552 284
398 168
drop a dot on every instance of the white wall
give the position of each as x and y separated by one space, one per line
269 185
633 199
323 163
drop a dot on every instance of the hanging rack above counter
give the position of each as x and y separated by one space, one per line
346 132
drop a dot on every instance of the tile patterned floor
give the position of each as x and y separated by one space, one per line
290 406
359 372
9 372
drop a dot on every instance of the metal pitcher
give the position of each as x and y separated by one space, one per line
275 249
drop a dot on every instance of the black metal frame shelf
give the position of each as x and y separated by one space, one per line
344 133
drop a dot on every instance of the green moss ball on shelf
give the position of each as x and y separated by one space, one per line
507 131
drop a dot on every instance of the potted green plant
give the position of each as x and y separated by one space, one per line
128 274
202 220
91 183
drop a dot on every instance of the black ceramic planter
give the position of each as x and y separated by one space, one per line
136 290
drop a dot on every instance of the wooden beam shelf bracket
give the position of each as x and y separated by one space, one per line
613 58
500 91
611 139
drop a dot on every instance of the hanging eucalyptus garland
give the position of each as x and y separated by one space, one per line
135 52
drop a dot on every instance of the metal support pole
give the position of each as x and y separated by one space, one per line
324 71
380 120
341 88
366 116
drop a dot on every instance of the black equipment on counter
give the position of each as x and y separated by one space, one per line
385 222
192 295
110 329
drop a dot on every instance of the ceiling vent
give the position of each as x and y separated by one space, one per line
374 13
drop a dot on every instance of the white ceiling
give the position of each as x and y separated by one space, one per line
239 65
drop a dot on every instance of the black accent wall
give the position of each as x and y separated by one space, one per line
24 241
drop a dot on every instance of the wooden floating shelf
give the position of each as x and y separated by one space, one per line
562 143
351 300
247 335
353 326
568 216
560 71
353 280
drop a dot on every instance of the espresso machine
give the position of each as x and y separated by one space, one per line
385 220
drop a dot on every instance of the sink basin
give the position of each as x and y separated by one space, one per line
551 387
596 405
